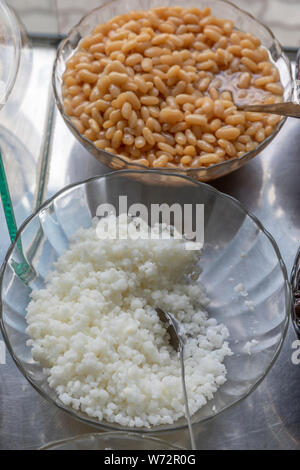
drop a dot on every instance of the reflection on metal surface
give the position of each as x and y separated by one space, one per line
268 186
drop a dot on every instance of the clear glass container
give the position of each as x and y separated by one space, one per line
221 8
10 50
237 249
111 441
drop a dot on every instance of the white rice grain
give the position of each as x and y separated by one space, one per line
95 330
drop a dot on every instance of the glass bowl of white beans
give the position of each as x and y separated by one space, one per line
150 84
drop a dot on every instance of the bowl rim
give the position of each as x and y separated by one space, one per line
139 437
131 164
13 24
215 192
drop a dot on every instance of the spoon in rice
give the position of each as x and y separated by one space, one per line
177 343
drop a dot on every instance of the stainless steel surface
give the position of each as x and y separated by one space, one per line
269 186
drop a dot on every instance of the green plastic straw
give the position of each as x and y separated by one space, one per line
7 203
22 269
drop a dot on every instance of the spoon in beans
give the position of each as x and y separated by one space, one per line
289 108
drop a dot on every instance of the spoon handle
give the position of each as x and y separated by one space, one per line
186 403
288 109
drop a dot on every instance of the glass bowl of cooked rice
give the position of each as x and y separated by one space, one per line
152 84
78 302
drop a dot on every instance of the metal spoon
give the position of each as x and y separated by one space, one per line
177 342
288 108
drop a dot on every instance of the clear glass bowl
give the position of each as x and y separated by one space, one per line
237 250
10 50
111 441
220 8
